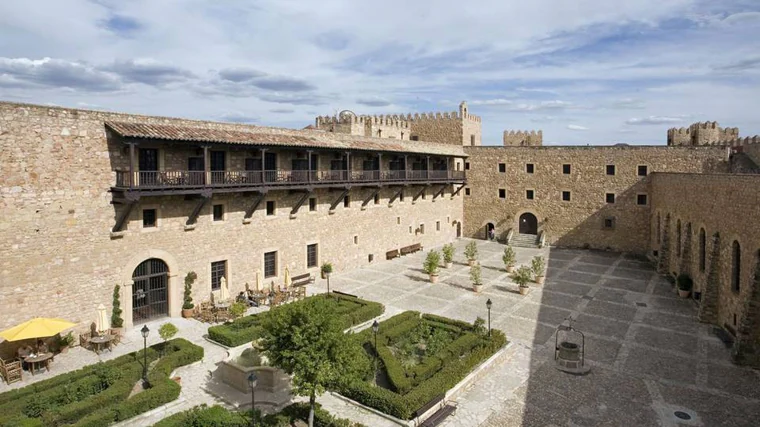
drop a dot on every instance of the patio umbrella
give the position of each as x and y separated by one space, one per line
102 322
288 282
224 292
38 327
258 281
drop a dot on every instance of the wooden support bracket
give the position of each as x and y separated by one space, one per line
202 200
419 193
301 201
457 191
440 192
372 195
339 199
257 199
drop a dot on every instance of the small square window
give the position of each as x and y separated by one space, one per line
641 199
356 240
529 194
149 218
398 220
377 198
410 229
422 228
566 196
502 167
642 170
346 202
311 255
370 257
466 166
502 193
438 226
270 264
312 204
610 169
609 222
466 191
270 207
610 197
218 212
529 168
566 169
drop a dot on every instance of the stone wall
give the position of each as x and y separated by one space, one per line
580 221
518 138
58 259
725 204
752 150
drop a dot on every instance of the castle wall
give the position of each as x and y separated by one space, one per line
578 222
726 204
448 130
58 259
513 138
702 133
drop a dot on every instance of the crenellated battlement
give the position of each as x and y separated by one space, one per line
740 142
522 138
701 133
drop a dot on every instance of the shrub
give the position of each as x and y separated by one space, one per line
238 309
167 331
684 282
522 276
538 265
249 358
471 251
395 372
189 279
475 275
448 252
327 268
432 262
479 326
509 257
116 320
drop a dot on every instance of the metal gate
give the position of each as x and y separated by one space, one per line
150 296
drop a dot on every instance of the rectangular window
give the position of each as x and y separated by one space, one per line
529 168
218 212
346 202
529 194
502 167
610 197
466 191
218 270
414 138
410 229
438 226
270 264
270 207
398 220
312 204
422 228
502 193
641 199
566 169
609 223
472 139
642 170
356 240
566 196
377 199
610 169
149 218
401 196
311 255
466 166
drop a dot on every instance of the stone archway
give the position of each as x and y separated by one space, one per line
173 288
528 224
489 230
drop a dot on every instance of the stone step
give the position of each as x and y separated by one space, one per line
524 241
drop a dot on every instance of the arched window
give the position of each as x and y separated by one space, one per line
678 238
736 266
702 250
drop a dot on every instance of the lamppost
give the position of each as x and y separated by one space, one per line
145 331
488 306
375 327
252 383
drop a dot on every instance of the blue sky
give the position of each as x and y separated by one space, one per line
583 71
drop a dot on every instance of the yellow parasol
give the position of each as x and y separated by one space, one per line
102 323
224 291
258 281
38 327
288 282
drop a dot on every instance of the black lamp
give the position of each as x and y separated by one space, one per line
375 328
488 306
252 379
145 331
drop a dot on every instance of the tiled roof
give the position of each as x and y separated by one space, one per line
262 136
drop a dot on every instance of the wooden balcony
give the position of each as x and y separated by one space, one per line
182 181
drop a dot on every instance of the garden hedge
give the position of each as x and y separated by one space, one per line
350 310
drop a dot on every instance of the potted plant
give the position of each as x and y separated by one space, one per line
65 341
431 264
509 259
684 284
326 269
116 321
477 281
522 276
448 255
471 252
538 265
187 306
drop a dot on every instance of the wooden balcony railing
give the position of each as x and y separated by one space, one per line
196 179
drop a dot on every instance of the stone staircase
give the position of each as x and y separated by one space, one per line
524 241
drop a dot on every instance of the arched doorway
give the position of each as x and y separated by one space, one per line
528 223
489 231
459 229
150 295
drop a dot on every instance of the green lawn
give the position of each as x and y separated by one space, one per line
97 395
351 311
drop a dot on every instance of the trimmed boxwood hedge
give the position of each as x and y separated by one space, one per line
351 311
97 395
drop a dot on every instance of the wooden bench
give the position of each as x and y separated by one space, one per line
343 293
392 254
299 284
444 410
411 249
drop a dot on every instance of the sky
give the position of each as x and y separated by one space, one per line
583 71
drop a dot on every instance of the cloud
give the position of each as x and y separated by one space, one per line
282 84
543 106
148 72
334 40
497 101
577 127
543 119
238 118
122 25
56 73
238 75
373 102
289 98
653 120
628 104
282 110
744 64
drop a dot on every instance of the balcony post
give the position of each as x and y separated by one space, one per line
308 157
206 165
263 166
131 164
427 167
379 166
406 165
448 168
348 166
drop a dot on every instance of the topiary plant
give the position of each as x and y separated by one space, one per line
475 276
432 262
522 276
167 331
189 279
116 320
509 258
471 252
448 253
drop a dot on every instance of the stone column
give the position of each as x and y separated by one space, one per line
126 299
685 267
663 265
708 307
746 350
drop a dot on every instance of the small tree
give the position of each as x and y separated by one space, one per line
306 341
167 331
538 266
471 251
432 262
189 279
116 320
479 326
448 253
237 309
327 268
522 276
475 276
508 257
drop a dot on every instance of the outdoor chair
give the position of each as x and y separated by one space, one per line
84 339
115 336
11 371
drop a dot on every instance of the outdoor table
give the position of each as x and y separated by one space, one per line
39 358
101 340
259 298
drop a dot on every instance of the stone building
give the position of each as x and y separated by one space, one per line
707 133
519 138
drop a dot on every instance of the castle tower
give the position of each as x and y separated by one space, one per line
702 133
518 138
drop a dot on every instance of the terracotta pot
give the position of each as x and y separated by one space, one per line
448 264
64 349
472 262
187 313
511 269
324 275
683 294
540 280
433 278
477 288
523 290
177 380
